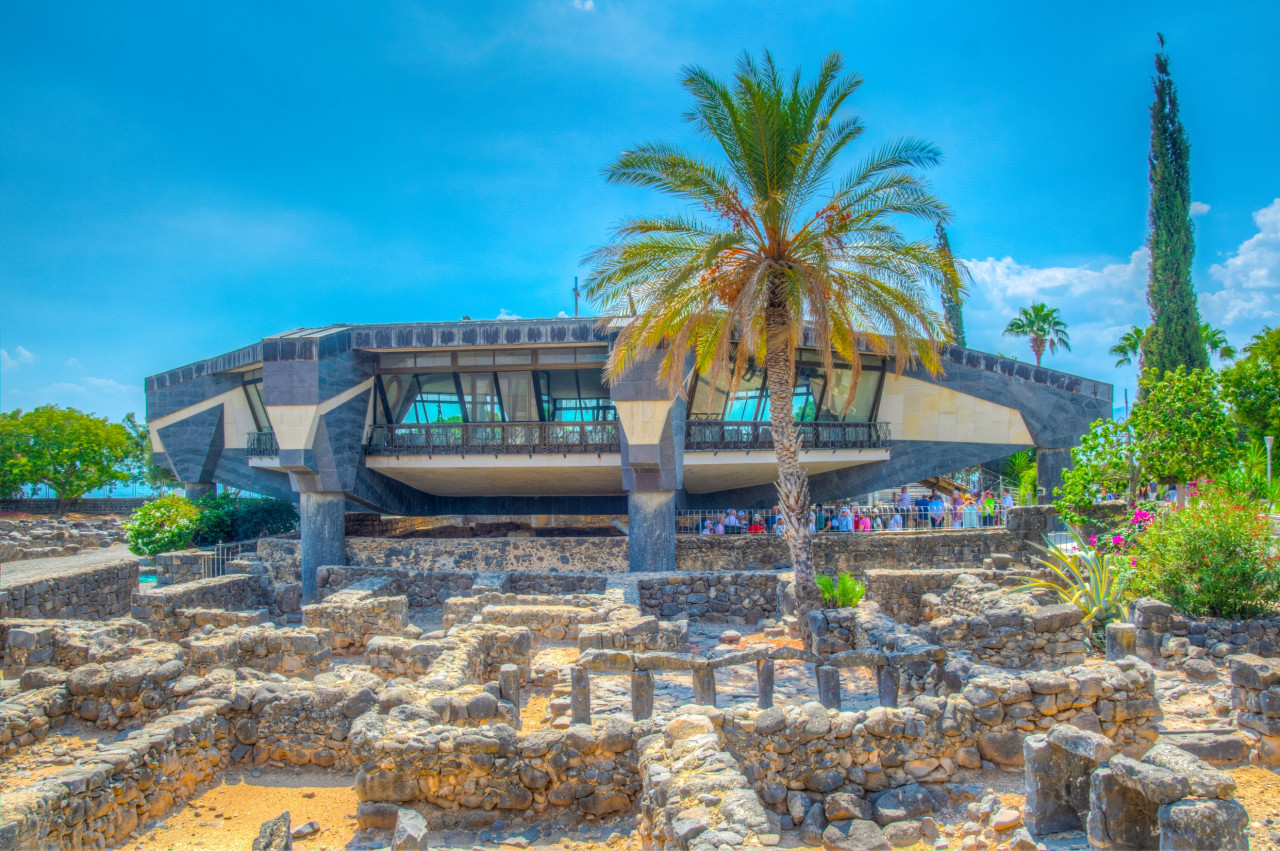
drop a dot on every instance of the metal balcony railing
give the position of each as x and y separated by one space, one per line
729 435
555 438
262 444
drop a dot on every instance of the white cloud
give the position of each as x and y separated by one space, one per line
107 385
584 5
1250 277
1011 285
507 314
562 315
74 363
1199 208
20 357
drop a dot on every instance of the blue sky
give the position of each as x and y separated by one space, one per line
178 180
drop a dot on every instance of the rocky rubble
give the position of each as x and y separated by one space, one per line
50 537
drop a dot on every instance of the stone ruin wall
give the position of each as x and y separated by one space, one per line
51 537
90 593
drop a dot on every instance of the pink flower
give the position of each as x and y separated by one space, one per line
1093 540
1133 561
1117 540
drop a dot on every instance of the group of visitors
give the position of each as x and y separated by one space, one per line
962 510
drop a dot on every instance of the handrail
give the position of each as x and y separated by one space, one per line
262 444
729 435
493 438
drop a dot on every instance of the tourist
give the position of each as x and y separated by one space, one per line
895 522
969 513
902 502
820 521
877 522
779 525
922 512
937 510
864 523
731 524
988 509
719 528
844 522
957 503
757 525
708 528
1153 491
1008 501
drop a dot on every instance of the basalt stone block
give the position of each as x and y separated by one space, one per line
1120 818
1206 782
854 835
1157 784
905 802
1199 824
274 835
1058 769
411 831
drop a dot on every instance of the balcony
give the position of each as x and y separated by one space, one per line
750 435
557 438
262 444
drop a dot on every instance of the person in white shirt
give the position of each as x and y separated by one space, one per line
895 523
1007 502
778 526
708 528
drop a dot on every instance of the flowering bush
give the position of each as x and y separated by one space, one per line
162 525
1214 557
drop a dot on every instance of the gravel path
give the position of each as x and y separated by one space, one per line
13 572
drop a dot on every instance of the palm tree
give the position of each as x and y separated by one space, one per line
1129 347
1215 340
775 251
1043 325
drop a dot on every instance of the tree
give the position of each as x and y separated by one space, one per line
1129 347
140 465
72 452
1215 340
15 467
1252 386
1043 325
952 306
1106 461
784 253
1182 429
1173 340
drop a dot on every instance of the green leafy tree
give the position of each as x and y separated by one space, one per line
1106 461
1174 339
15 466
1043 326
776 248
1182 428
952 304
1129 347
1215 340
72 452
1252 386
141 466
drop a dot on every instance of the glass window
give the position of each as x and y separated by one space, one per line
436 400
708 402
518 401
436 359
837 396
398 360
480 397
593 355
576 395
506 357
555 355
253 390
473 358
748 398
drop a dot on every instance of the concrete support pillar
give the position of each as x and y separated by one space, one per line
195 490
704 686
651 523
323 527
579 695
829 686
1122 641
887 685
641 695
1049 466
764 677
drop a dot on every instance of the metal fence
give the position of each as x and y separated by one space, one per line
493 438
746 435
262 444
215 563
881 519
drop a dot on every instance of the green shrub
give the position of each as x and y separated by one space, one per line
162 525
229 517
1213 557
844 592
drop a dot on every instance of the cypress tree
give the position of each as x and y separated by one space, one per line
1174 338
950 304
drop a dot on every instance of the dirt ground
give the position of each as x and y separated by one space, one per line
228 816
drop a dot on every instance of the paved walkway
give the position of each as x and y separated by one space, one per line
13 572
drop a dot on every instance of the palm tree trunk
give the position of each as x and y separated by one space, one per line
793 482
1037 348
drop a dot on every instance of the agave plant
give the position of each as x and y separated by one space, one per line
1085 579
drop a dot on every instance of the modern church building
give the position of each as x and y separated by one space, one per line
515 417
